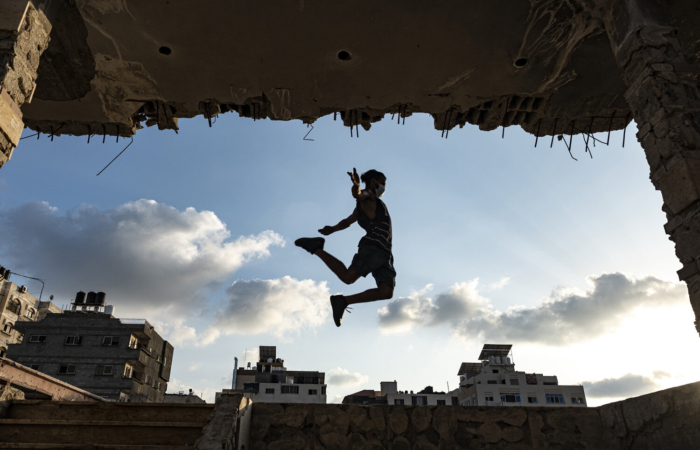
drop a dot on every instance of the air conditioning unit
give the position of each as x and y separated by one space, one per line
23 289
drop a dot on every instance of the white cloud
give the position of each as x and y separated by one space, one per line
146 256
281 307
500 284
628 385
194 367
342 377
570 315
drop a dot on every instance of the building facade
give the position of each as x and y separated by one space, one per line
117 359
17 305
390 395
270 382
493 381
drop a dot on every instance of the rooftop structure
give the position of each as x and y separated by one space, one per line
390 395
493 381
118 359
269 381
181 397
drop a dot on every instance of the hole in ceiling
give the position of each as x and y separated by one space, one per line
344 56
520 62
165 50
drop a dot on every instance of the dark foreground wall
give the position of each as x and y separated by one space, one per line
667 420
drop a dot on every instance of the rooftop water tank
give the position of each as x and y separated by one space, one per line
492 360
109 309
80 297
101 296
91 298
497 359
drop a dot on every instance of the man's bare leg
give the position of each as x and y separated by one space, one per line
346 275
383 292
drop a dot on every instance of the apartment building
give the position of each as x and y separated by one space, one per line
493 381
270 382
390 395
18 305
117 359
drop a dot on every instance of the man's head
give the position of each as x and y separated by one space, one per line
373 179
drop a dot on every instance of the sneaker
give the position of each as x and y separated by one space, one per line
310 244
338 304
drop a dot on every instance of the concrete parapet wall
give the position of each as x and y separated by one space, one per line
667 419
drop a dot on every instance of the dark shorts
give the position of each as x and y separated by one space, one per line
379 262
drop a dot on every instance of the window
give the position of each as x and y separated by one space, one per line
398 401
492 382
419 400
29 313
290 389
68 369
323 390
35 366
514 381
555 398
577 400
110 340
269 390
495 370
2 352
441 402
104 370
133 343
7 328
489 398
532 399
37 338
147 379
455 401
73 340
313 391
510 398
157 386
128 370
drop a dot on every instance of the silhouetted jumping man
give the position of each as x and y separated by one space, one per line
374 250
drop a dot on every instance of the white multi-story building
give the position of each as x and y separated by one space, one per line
270 382
493 381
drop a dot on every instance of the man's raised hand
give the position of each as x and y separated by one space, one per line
354 177
327 230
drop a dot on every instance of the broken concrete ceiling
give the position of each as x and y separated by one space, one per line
114 66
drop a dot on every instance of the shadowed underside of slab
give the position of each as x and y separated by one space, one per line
114 66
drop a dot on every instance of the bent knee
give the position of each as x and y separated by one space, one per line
387 292
349 278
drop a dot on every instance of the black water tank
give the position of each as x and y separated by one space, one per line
101 296
80 297
91 297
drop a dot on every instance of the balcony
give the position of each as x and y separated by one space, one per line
138 356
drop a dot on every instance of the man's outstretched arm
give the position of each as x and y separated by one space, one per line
343 224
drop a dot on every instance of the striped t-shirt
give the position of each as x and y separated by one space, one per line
378 229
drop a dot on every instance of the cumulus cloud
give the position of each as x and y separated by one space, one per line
281 307
571 315
628 385
145 255
251 356
193 367
342 377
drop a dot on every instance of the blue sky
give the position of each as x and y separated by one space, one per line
530 224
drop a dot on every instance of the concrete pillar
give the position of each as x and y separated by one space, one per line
24 35
663 94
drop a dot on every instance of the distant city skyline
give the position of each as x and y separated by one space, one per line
494 240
